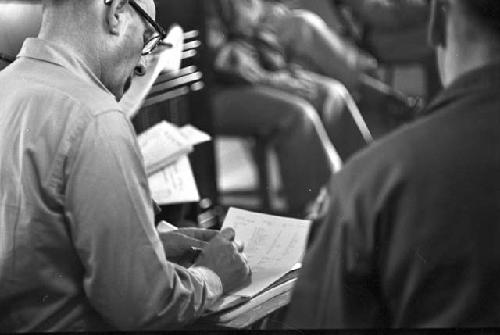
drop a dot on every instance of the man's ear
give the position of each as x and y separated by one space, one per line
114 16
437 25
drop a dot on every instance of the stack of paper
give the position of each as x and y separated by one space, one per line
274 246
165 148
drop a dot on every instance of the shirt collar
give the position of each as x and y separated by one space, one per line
51 52
483 78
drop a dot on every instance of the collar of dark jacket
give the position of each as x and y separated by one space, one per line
481 79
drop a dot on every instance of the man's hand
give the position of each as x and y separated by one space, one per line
183 245
223 255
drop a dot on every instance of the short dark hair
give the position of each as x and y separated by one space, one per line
487 12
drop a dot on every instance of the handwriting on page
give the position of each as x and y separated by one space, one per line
273 245
174 184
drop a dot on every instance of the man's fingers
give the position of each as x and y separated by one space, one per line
245 259
198 233
189 241
228 234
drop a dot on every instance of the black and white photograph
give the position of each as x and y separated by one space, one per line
274 166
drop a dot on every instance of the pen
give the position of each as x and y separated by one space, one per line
196 253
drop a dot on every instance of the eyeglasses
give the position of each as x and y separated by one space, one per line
160 34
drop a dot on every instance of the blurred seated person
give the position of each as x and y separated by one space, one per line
394 32
261 51
390 29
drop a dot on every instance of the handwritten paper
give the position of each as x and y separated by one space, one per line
174 184
273 245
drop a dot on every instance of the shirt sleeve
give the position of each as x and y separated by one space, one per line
213 282
126 278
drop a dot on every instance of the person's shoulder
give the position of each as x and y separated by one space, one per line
93 99
57 85
81 99
398 152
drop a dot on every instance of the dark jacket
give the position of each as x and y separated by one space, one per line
411 236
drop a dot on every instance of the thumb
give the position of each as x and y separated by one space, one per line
228 234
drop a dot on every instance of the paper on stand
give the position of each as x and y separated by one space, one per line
174 184
193 135
164 143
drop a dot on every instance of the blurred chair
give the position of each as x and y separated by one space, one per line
260 143
260 149
166 100
186 99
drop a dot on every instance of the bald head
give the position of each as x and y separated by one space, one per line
485 13
107 35
476 21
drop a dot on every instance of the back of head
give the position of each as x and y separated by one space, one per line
466 35
64 10
486 13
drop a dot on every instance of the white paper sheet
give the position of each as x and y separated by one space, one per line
162 145
174 184
194 136
273 245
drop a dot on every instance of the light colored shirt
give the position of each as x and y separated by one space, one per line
78 246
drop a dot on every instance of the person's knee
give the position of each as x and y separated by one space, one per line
303 115
336 94
301 30
307 18
338 89
308 24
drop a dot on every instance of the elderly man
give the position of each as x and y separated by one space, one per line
78 247
412 240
